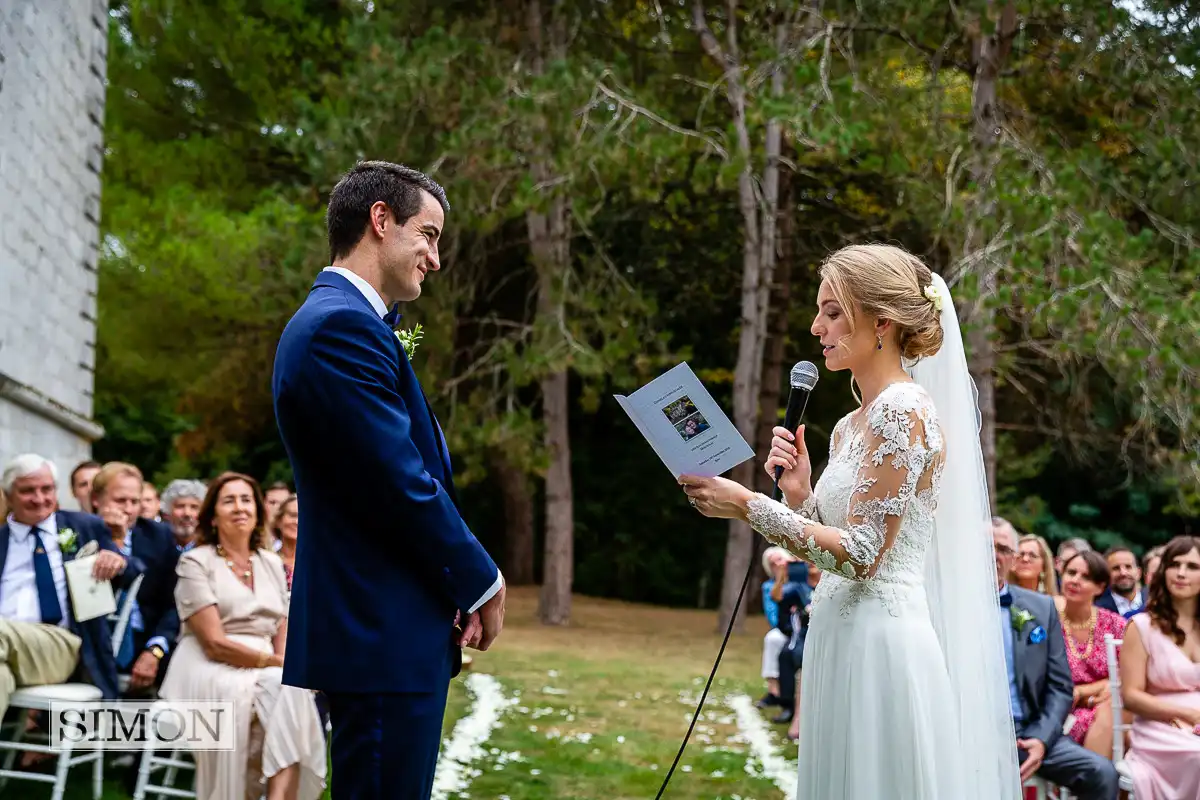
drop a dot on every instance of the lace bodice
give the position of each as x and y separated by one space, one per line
878 491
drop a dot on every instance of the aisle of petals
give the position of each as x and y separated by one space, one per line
466 743
765 760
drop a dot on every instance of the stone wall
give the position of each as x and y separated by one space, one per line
52 67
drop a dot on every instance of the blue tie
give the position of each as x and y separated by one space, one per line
44 576
393 316
125 653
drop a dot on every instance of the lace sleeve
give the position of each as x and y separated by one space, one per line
901 451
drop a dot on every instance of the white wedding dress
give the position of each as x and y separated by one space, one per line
878 716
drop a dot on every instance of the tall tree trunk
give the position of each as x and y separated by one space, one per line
990 51
549 241
775 370
758 262
517 493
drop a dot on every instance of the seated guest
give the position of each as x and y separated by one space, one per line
1034 569
774 560
1067 549
150 505
1040 686
1125 592
181 508
1160 680
154 623
284 527
40 640
1150 565
1085 576
81 483
274 496
796 603
232 598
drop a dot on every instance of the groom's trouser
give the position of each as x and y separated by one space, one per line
1085 774
385 746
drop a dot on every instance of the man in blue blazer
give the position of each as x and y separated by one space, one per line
36 617
1040 687
389 582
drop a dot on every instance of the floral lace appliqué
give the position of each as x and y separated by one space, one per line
879 491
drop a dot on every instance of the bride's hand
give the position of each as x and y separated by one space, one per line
789 451
717 497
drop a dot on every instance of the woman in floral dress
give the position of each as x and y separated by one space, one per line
1085 577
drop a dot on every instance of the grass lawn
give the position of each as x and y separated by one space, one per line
597 709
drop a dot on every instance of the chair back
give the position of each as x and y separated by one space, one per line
125 612
1114 688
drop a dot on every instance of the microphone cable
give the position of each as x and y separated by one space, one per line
699 706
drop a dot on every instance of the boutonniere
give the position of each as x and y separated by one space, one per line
1020 617
409 339
67 542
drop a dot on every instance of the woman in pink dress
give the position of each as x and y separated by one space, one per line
1085 576
1160 674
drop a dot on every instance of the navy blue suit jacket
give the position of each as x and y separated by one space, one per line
97 665
1105 600
156 557
383 558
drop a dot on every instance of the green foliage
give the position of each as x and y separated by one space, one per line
224 141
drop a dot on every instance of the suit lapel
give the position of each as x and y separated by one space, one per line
443 452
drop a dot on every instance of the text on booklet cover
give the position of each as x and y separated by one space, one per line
685 426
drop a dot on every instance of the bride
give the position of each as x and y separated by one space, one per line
904 689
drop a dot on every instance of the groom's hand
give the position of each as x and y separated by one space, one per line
491 616
470 633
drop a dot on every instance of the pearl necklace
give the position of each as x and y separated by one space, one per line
1068 626
246 576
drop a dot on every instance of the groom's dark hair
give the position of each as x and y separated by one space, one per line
367 183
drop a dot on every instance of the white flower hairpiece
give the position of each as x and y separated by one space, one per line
933 295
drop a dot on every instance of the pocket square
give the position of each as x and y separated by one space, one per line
1037 635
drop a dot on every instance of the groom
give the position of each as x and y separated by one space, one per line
389 581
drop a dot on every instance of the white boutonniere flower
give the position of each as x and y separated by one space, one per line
1020 617
67 541
409 339
934 296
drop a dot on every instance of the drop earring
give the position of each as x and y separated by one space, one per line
879 338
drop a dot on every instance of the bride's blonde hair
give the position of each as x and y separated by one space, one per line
885 282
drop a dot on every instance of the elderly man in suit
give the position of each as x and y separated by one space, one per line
150 547
41 642
1040 688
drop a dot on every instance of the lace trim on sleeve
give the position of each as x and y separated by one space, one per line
901 446
781 526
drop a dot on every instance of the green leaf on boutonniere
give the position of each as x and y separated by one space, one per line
1019 617
409 339
67 541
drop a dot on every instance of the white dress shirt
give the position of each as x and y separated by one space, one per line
372 296
18 584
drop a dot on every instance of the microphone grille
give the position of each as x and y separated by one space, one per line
804 375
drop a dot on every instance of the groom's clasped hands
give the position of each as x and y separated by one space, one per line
483 626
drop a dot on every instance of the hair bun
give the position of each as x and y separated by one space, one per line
925 338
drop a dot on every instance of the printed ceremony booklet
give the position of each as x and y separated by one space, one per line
685 426
90 598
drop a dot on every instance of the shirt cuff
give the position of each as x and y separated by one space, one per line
489 594
161 641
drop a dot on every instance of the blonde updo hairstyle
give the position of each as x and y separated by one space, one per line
879 281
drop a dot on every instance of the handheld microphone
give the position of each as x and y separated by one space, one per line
803 379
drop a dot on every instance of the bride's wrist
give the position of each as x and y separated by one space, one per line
796 500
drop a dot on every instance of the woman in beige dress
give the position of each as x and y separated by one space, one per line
232 598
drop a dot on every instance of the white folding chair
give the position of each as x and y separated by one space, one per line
171 763
120 623
1125 779
39 698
